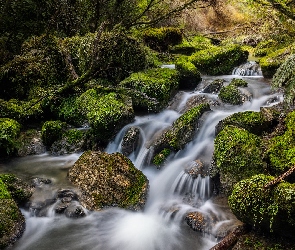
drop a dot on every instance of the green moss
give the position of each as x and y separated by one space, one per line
52 131
22 111
189 74
9 131
238 82
183 129
161 157
271 209
281 149
18 190
161 38
159 83
106 113
270 63
191 45
237 155
230 94
252 121
4 193
219 60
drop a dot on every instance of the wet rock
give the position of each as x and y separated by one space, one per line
39 181
63 146
67 195
195 169
201 222
250 68
130 140
74 210
108 180
197 100
214 87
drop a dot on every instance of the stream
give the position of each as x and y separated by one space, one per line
161 226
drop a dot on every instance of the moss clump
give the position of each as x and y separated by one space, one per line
106 113
161 157
189 74
270 63
112 180
238 82
281 149
219 60
161 38
12 222
52 131
191 45
183 129
285 77
271 209
252 121
9 131
22 111
230 94
160 84
237 155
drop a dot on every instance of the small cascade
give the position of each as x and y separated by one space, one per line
250 68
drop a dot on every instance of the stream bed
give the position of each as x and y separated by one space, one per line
161 226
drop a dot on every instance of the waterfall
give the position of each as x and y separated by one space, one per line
250 68
179 192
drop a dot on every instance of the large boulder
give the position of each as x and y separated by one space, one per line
219 60
237 155
270 209
12 222
108 180
158 83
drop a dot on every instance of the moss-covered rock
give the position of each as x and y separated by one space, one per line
179 134
161 38
191 45
219 60
12 222
189 74
230 94
214 86
105 113
237 155
239 82
271 209
9 131
52 131
108 180
158 83
285 78
270 63
280 151
254 122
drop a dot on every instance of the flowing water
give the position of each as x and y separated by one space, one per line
173 192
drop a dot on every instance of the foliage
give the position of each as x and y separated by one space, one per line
237 155
9 131
285 77
52 131
158 83
270 63
230 94
219 60
39 65
189 74
271 209
22 111
281 149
